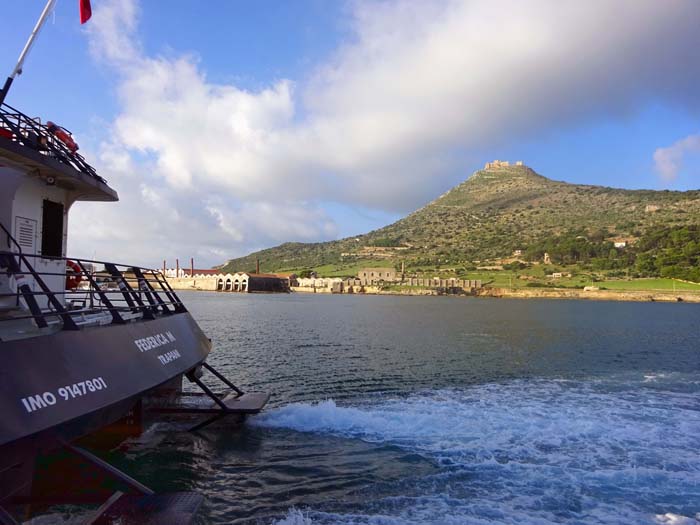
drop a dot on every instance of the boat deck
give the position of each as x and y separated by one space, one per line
199 403
16 325
108 293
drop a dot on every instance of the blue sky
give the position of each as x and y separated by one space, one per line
247 124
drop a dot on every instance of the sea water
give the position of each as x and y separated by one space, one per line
435 410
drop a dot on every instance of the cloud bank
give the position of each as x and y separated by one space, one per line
219 170
669 161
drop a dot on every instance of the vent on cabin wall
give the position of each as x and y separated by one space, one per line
25 234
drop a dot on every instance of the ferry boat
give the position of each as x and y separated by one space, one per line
84 343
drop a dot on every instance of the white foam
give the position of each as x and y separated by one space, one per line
551 423
675 519
444 511
530 449
294 517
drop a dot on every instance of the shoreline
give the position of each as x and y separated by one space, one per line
511 293
595 295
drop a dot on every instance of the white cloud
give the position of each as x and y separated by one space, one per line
377 124
112 30
668 161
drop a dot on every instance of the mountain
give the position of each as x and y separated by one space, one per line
496 211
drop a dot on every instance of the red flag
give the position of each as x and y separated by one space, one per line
85 11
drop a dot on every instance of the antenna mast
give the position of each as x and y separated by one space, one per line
30 42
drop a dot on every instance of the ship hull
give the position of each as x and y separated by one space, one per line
55 389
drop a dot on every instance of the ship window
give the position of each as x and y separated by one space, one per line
52 229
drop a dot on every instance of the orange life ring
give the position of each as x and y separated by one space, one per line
62 135
73 275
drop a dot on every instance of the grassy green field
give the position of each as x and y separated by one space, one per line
648 284
344 270
508 280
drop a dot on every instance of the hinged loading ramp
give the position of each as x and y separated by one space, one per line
144 507
218 405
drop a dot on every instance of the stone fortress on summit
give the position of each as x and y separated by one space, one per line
499 164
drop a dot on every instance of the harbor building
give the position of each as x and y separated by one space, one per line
372 276
248 282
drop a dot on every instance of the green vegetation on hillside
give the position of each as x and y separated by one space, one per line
386 242
484 220
671 252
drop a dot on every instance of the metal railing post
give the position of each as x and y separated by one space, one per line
132 298
116 317
68 323
165 286
149 291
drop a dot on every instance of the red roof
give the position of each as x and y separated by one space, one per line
204 272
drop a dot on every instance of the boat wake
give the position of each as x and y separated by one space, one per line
531 452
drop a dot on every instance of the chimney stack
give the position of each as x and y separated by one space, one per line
177 268
257 265
164 266
191 266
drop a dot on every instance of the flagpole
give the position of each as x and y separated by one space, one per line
27 47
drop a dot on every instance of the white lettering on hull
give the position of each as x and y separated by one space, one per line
64 393
167 357
154 341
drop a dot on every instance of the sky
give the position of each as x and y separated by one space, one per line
232 126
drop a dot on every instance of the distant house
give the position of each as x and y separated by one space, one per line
372 276
623 242
318 283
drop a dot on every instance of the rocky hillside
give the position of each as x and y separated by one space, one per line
490 215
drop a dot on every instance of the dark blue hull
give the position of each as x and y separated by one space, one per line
60 387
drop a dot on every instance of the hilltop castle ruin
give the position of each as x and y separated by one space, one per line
498 164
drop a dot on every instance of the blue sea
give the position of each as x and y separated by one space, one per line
438 410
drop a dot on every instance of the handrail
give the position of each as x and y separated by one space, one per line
31 133
10 237
119 305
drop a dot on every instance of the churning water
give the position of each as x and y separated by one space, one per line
432 410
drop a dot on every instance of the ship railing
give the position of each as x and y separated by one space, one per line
31 133
88 292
